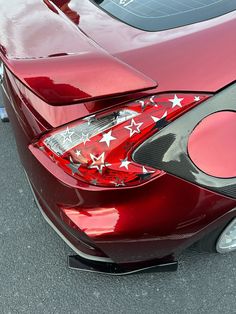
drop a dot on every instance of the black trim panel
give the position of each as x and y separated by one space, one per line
167 149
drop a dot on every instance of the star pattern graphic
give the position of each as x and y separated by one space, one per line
125 163
74 168
85 138
118 182
107 138
67 134
143 104
94 181
158 119
134 127
153 102
98 162
78 153
144 170
176 101
112 138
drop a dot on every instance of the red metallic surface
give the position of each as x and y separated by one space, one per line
51 75
157 218
212 145
185 58
173 58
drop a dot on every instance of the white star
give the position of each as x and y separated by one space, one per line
67 135
158 119
107 137
85 138
153 102
134 127
196 98
176 101
78 153
74 168
142 103
98 162
150 103
144 170
125 163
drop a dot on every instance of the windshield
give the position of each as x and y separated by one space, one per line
156 15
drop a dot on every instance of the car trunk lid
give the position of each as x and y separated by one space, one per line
57 61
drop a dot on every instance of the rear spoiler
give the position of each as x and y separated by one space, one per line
57 61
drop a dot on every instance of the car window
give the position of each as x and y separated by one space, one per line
157 15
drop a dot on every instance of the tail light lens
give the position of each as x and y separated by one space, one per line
98 148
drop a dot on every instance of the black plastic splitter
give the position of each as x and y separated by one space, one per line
78 263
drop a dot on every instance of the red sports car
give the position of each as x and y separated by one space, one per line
124 113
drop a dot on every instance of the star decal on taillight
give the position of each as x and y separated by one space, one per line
125 163
98 162
85 138
67 134
98 149
156 119
176 101
107 138
134 127
78 152
74 167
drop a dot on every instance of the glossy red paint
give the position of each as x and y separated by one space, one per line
173 58
51 75
157 218
212 145
185 58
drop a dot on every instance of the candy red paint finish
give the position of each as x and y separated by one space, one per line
213 147
59 74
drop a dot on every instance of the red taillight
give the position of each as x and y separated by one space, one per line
98 149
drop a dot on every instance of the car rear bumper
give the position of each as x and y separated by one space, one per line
151 222
154 222
101 264
92 262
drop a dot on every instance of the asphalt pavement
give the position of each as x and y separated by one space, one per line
34 277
